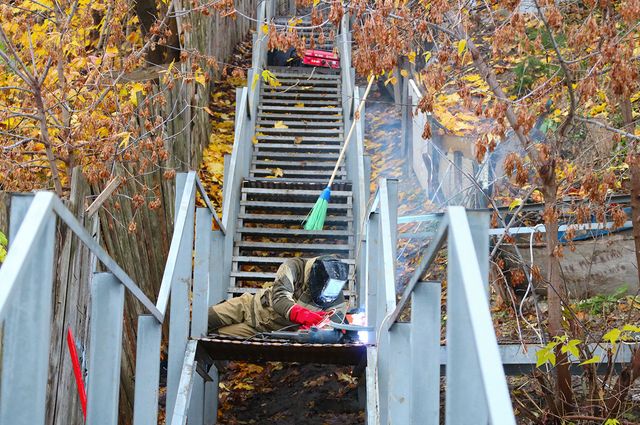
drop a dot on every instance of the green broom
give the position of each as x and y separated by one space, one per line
317 215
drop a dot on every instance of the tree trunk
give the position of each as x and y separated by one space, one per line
556 293
148 15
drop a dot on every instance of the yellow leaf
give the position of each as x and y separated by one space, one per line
316 2
515 203
254 140
243 386
462 45
255 81
133 93
125 139
412 57
427 56
280 124
404 73
277 172
199 77
299 105
112 50
594 359
265 28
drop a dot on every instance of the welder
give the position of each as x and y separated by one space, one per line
304 293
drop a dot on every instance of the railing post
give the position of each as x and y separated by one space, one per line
107 305
479 225
372 387
27 327
145 411
375 313
425 353
201 276
399 374
465 399
180 286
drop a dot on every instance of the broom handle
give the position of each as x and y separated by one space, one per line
353 126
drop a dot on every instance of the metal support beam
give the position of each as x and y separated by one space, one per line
181 407
479 224
425 346
107 296
145 410
399 375
201 272
180 287
27 313
372 386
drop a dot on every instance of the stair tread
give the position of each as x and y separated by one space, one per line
292 205
240 290
298 147
297 232
273 191
275 260
293 218
294 246
331 110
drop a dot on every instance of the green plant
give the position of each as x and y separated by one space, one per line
602 303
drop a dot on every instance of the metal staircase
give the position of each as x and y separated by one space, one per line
294 153
287 139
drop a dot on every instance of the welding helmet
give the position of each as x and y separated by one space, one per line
327 277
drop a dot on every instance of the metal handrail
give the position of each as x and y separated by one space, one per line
26 241
471 340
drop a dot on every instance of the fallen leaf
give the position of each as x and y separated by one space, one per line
297 140
299 105
280 124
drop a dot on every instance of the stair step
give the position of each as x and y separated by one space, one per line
315 73
266 183
293 205
297 218
242 259
292 139
300 156
290 117
267 147
292 102
300 123
272 231
297 172
300 97
295 192
302 110
300 88
300 131
288 246
310 80
294 164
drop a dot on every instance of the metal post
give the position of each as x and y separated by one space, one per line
27 327
479 225
201 270
382 377
465 399
20 204
425 353
179 318
145 410
201 275
179 415
107 305
374 316
217 286
211 397
399 374
372 387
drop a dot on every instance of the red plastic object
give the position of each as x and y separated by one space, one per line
321 58
77 372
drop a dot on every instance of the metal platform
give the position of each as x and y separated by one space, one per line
218 347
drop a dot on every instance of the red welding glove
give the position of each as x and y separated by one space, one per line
306 317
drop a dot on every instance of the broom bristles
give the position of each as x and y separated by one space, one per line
315 219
